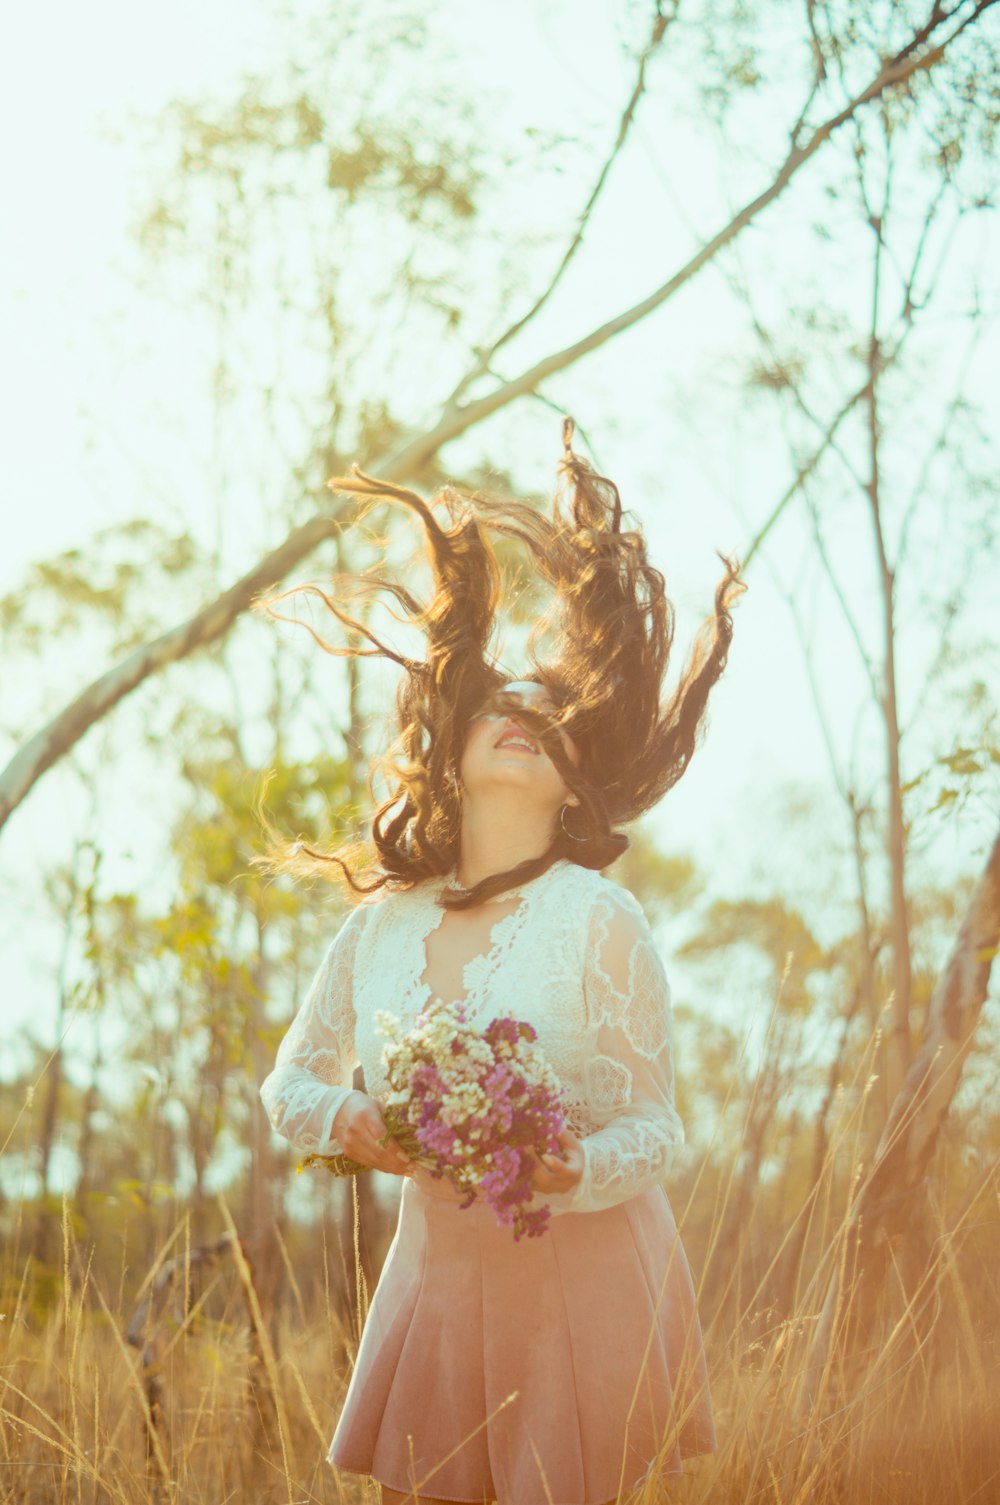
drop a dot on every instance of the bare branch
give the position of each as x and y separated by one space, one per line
916 56
807 467
910 306
838 591
207 626
819 72
484 362
794 389
48 745
814 687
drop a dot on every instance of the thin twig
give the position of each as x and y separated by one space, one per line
485 356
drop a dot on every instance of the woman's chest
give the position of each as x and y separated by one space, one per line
519 957
465 948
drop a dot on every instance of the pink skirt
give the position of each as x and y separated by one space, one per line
559 1370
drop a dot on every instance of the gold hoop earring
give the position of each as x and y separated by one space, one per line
566 830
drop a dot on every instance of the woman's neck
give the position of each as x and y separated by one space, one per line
498 834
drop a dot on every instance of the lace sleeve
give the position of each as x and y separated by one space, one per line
314 1068
628 1074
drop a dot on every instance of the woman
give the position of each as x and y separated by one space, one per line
561 1368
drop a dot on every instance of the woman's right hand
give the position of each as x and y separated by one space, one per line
358 1125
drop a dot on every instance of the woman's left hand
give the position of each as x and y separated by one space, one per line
560 1173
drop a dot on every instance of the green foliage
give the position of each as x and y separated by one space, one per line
664 883
954 779
774 928
118 580
388 161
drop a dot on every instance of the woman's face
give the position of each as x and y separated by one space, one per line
500 753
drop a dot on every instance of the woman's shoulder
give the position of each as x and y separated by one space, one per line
586 904
353 918
598 887
376 919
565 878
350 921
393 906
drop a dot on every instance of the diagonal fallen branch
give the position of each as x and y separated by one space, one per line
924 50
208 625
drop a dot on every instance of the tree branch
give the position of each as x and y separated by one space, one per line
65 729
207 626
485 358
916 56
807 467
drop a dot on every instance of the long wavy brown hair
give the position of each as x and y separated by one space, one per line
614 630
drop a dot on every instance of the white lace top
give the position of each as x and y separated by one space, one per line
575 958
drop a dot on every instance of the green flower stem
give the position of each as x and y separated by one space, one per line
397 1127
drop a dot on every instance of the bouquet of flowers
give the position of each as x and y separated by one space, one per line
471 1106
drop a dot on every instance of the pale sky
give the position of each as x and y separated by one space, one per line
103 386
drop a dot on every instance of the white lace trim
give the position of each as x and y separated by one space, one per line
576 958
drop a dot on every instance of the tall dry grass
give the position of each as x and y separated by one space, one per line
223 1400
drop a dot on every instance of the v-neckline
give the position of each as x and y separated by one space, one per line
484 962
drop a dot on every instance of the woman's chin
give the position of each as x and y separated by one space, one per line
511 779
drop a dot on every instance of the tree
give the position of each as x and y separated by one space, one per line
893 1193
907 61
911 211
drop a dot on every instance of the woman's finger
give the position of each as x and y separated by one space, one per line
394 1159
390 1157
555 1178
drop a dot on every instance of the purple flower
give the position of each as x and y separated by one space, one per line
501 1108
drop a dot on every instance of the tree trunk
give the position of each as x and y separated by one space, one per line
261 1230
898 1044
91 1099
889 1202
54 1067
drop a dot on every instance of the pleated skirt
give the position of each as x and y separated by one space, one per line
559 1370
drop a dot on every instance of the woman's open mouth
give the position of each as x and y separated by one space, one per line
515 737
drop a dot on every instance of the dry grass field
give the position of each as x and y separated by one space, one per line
219 1401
